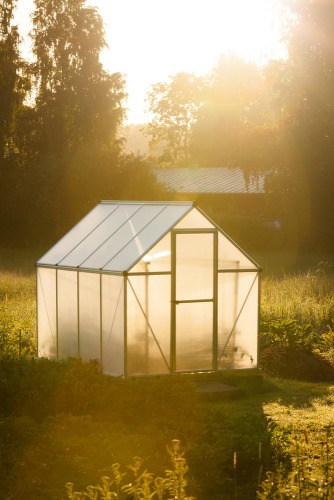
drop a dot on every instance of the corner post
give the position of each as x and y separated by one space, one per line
57 321
125 319
215 303
101 333
173 305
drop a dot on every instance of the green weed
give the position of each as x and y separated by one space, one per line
143 485
311 472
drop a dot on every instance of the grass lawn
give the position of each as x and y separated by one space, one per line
63 422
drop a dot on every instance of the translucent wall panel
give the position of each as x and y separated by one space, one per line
89 315
194 220
46 309
237 320
194 266
230 257
194 330
67 314
246 356
148 325
109 226
77 234
113 324
146 238
157 259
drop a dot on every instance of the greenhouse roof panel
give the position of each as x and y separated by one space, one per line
115 234
144 239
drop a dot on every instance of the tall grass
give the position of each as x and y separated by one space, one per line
17 314
307 297
297 325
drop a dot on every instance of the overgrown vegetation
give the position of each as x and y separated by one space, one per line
297 324
143 485
311 472
309 475
17 315
62 175
65 422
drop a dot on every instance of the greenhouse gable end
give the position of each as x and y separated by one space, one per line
148 288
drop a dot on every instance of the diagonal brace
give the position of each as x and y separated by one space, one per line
149 325
236 321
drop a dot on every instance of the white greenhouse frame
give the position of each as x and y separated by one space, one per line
149 288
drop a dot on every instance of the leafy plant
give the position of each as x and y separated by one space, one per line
143 485
311 474
285 333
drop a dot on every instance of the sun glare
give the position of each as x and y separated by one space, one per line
153 39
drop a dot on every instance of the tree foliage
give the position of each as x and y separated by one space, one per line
60 119
277 120
235 120
62 148
304 160
75 96
174 106
14 82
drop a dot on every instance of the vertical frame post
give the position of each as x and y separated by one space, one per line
57 329
258 318
146 355
173 305
125 306
215 303
37 296
78 313
101 337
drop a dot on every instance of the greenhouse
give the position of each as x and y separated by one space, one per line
148 288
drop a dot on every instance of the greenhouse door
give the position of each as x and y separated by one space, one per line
194 300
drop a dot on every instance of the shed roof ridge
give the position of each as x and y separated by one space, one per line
138 202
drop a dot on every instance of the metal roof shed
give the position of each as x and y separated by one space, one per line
148 288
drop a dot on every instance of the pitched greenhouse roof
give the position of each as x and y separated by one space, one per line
214 180
115 234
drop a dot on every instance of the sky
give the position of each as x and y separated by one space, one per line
150 40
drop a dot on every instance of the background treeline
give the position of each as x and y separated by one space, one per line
61 120
276 121
60 150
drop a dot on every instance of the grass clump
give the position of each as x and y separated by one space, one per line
297 323
306 298
17 315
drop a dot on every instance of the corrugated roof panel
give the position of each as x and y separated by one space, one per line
77 234
143 240
111 225
119 239
208 180
115 234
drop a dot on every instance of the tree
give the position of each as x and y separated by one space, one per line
68 154
76 100
305 166
174 106
234 123
14 82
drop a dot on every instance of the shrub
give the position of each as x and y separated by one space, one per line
285 333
